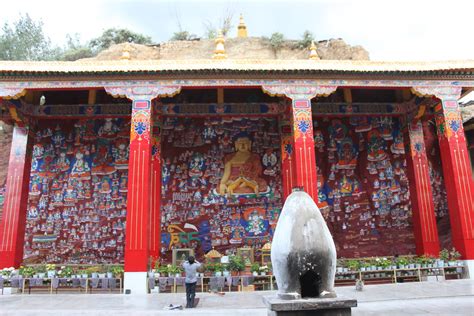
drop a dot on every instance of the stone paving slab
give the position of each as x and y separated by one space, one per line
454 297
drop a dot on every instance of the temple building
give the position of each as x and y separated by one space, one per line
125 160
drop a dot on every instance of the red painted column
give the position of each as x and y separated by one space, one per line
287 157
303 142
139 188
155 213
12 224
457 174
424 218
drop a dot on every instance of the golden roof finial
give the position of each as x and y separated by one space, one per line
242 28
126 52
313 54
219 52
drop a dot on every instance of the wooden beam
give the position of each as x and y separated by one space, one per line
347 95
220 95
92 97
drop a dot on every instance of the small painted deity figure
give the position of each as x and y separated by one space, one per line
79 131
35 186
255 225
80 168
62 162
347 154
269 160
70 195
109 129
337 130
32 212
319 140
345 186
123 186
57 198
196 166
58 137
120 154
398 146
38 151
376 146
105 185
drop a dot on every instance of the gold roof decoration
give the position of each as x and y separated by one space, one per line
267 246
126 52
213 254
313 55
242 28
219 52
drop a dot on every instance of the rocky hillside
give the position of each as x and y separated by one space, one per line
236 48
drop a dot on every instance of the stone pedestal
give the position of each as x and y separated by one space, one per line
309 306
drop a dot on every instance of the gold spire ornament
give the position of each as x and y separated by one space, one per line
241 28
312 52
126 52
219 52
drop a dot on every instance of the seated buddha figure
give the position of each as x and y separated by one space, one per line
242 170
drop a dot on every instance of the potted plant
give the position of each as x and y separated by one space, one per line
264 270
236 264
7 273
163 270
116 271
218 268
454 256
255 268
353 264
27 271
65 272
174 270
444 257
225 272
402 262
51 270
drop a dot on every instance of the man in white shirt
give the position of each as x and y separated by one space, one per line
190 268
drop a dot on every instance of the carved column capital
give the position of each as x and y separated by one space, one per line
7 92
142 92
441 92
298 91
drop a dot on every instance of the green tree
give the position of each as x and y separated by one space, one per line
25 40
116 36
183 36
306 40
75 50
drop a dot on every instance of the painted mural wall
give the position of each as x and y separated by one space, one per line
364 193
5 146
78 189
221 183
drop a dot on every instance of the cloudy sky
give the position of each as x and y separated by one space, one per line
389 30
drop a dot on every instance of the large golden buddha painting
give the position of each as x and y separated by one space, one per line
221 183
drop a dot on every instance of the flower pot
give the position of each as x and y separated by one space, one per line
339 269
95 275
51 274
452 263
110 275
255 273
85 275
226 273
263 273
101 275
41 275
177 275
218 273
156 275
